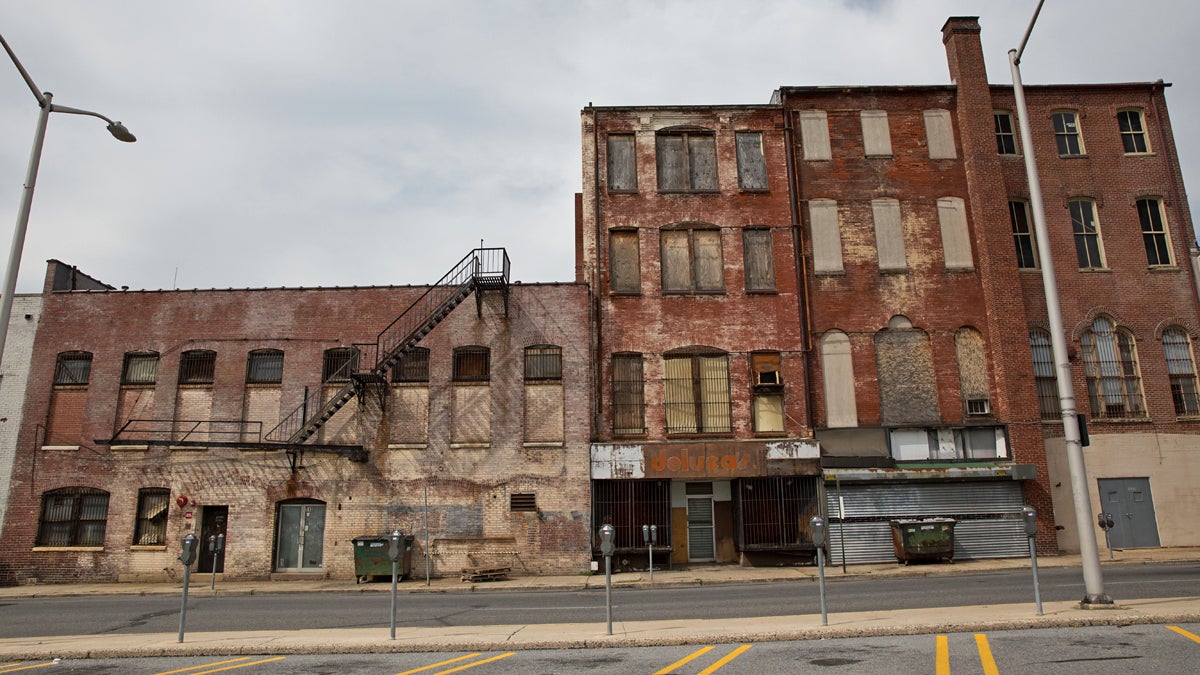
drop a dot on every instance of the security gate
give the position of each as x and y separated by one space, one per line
988 514
300 540
1131 505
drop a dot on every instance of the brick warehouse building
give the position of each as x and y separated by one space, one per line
842 285
161 418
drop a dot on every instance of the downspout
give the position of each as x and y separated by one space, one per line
802 304
594 287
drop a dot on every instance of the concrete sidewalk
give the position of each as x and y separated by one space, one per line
642 633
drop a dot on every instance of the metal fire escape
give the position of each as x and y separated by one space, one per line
481 270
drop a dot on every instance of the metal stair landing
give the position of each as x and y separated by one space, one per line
481 270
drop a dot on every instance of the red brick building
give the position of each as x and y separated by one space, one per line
903 306
150 414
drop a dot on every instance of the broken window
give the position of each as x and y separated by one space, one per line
767 392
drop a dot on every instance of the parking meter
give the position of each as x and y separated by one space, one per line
188 555
818 531
608 535
1106 521
1029 515
394 546
216 544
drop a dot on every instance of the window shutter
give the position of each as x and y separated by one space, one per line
827 237
940 134
956 242
814 134
877 140
889 235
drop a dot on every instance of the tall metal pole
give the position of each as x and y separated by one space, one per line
1088 553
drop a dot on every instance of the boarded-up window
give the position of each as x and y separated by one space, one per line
412 366
837 371
625 275
264 366
696 391
889 235
197 366
877 139
814 134
972 371
956 242
752 163
140 368
939 132
826 235
691 261
471 364
472 414
687 162
758 258
622 163
904 361
408 414
628 398
68 400
543 411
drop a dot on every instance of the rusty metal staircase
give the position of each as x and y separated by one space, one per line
483 269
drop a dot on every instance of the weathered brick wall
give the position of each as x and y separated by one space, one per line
18 347
468 488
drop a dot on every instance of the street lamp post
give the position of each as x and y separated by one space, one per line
45 102
1089 556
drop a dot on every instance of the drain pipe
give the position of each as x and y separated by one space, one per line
802 304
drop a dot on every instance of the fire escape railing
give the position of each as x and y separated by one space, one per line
481 269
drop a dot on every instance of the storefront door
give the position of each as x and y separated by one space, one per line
300 537
701 536
213 521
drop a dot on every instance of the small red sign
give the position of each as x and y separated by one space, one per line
187 514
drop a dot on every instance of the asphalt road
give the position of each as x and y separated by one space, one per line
130 614
1055 651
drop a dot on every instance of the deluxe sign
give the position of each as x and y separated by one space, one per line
703 460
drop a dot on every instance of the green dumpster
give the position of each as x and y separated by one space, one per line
926 539
371 557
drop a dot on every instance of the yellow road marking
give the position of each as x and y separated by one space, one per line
1184 633
477 663
241 665
985 655
726 659
680 662
439 663
942 660
206 665
10 669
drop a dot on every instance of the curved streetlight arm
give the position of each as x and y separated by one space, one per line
117 129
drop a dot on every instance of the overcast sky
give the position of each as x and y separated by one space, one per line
340 143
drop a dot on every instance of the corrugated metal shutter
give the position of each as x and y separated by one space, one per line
988 514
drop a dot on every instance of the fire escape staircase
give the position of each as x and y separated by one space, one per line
481 270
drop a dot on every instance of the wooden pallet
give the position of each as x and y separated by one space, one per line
485 573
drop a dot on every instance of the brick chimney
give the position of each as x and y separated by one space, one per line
964 51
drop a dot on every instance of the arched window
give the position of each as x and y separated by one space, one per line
264 366
73 368
1043 375
73 516
1181 368
412 366
471 364
140 368
837 371
197 366
1110 364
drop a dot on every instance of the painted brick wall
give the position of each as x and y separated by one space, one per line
14 373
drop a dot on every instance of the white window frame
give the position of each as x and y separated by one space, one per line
1063 135
1134 135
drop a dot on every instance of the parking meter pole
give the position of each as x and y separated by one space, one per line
1029 516
186 556
817 527
608 544
651 563
394 554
